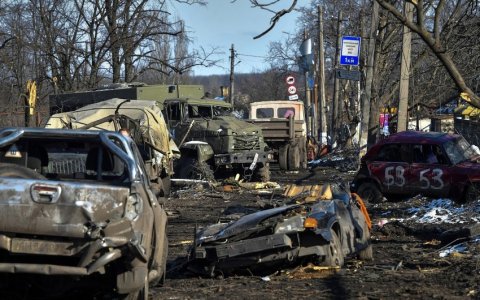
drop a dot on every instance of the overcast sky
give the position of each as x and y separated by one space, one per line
222 23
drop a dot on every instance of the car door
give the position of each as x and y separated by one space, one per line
430 170
391 168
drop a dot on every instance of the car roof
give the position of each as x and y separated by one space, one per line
192 101
421 137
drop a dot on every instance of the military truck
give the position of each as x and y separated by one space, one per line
213 143
284 130
145 123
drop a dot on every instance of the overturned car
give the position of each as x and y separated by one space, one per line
323 229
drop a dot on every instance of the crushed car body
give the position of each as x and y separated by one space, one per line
79 203
323 229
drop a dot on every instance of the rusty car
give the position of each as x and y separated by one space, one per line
323 231
408 163
78 205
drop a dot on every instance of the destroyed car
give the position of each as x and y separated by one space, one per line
145 123
411 162
324 232
77 204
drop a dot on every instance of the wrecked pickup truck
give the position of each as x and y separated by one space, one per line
77 204
320 231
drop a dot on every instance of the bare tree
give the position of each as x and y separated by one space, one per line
430 21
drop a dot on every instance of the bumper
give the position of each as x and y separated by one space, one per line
247 253
245 157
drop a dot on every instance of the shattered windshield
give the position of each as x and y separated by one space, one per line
459 151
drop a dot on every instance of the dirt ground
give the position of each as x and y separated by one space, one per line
407 261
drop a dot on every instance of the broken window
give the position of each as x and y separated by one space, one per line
394 153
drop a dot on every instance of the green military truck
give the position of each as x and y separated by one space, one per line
213 143
211 140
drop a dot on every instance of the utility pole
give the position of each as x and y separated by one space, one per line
368 81
322 124
336 90
308 98
232 66
402 115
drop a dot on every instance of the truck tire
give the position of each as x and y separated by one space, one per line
191 168
167 185
263 173
294 158
283 157
16 171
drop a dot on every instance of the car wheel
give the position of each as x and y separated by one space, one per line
472 193
293 158
366 254
16 171
283 157
369 192
334 257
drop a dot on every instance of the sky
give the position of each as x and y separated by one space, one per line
222 23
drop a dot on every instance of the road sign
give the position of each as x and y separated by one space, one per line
350 50
347 74
290 80
292 90
293 97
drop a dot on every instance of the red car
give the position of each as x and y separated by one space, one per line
411 162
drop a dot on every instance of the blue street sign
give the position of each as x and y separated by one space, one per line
350 51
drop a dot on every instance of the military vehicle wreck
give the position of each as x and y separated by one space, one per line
324 229
214 143
78 204
146 125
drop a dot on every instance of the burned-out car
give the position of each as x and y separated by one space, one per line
411 162
77 204
324 232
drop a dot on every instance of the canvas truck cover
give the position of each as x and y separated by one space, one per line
149 116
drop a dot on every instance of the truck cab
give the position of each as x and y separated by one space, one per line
213 141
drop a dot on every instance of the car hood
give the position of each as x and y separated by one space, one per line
321 210
227 125
226 230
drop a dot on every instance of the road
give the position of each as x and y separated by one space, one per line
407 261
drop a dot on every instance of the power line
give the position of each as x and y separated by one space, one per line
250 55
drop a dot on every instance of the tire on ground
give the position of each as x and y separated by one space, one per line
283 157
335 256
370 193
262 173
293 158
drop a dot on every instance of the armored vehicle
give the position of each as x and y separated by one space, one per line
212 141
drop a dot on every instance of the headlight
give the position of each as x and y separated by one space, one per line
134 207
289 225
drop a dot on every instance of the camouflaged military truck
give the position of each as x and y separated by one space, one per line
213 143
146 126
